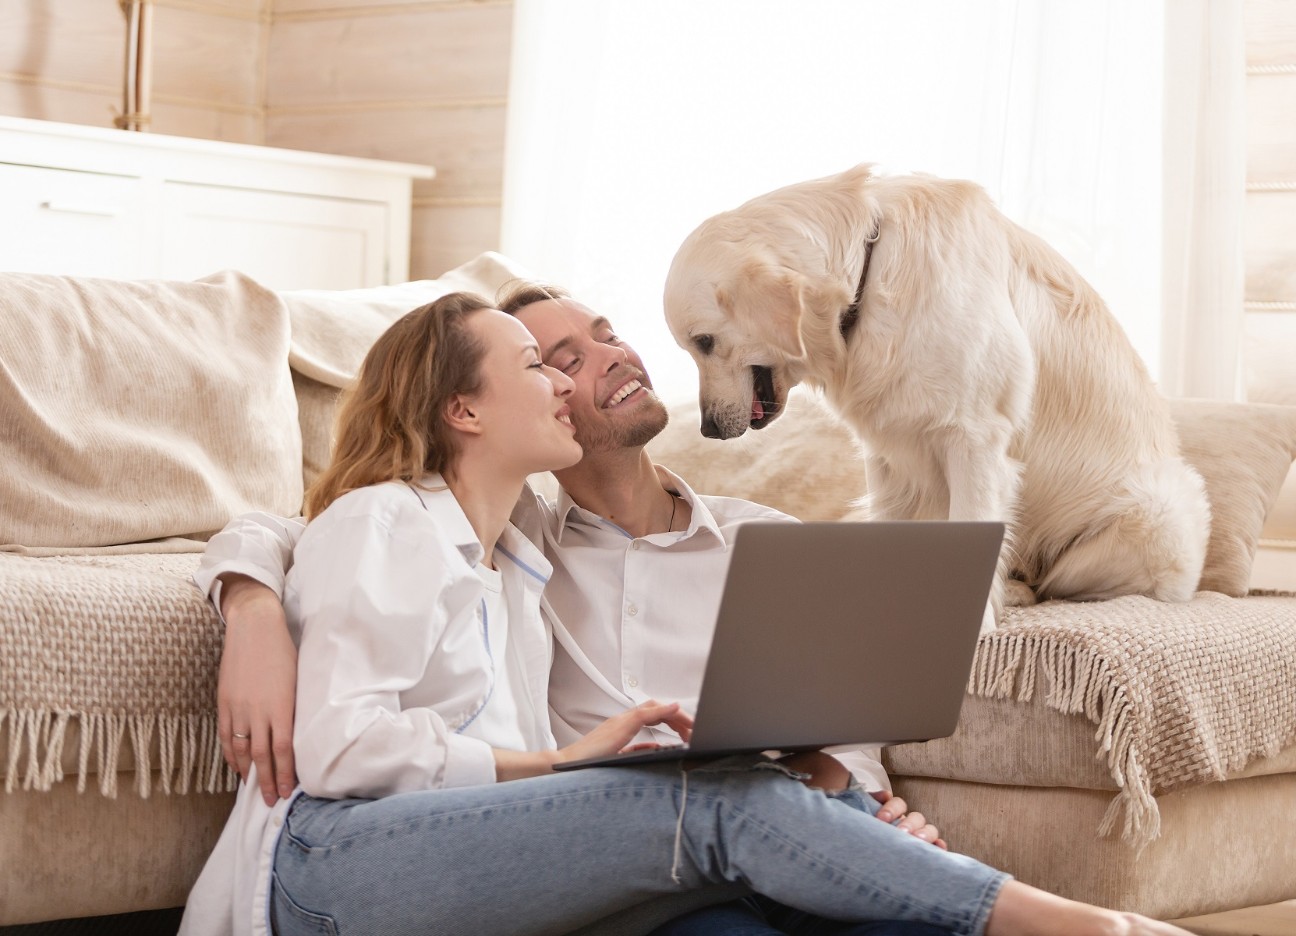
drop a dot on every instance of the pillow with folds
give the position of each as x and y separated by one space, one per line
134 411
1243 452
332 330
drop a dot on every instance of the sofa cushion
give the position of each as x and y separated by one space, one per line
1226 845
1244 452
140 410
332 331
1173 695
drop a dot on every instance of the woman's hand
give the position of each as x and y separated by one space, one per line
617 732
256 693
893 808
609 738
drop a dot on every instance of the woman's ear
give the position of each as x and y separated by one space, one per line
460 415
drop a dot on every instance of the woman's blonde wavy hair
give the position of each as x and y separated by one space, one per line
391 423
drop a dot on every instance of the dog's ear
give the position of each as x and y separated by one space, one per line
768 304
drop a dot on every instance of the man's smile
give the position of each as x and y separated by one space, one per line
625 390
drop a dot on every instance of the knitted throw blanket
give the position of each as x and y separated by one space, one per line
1180 693
127 648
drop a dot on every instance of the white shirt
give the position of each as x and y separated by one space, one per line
633 617
394 671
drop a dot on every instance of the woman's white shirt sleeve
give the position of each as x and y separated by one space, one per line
389 664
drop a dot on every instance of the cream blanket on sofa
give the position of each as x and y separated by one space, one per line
1179 693
136 411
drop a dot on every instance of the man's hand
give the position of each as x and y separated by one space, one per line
256 694
826 772
893 808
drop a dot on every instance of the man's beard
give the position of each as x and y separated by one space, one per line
650 419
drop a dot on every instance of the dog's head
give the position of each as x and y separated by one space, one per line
739 308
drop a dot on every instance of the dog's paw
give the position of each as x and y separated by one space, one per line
1018 594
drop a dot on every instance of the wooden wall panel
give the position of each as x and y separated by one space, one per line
465 144
63 60
1270 246
207 58
286 9
437 53
423 81
1269 326
1271 127
446 235
1270 32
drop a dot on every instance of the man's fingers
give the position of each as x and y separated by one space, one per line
892 809
912 823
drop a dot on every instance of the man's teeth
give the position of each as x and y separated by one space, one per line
624 392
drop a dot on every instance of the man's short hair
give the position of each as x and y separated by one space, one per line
517 294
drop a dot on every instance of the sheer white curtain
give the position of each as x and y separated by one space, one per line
632 122
1205 197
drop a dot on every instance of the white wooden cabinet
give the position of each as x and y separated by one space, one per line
94 202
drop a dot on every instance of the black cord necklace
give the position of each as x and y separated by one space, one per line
674 503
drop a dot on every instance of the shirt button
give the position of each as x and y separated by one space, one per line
632 682
634 545
632 610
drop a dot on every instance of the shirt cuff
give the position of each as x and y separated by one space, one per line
208 579
469 762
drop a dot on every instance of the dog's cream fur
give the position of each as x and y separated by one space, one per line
985 377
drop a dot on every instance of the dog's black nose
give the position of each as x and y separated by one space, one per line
710 428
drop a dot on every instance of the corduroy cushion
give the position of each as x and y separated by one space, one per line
332 330
1243 452
140 410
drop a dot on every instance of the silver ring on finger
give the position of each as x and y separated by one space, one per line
241 737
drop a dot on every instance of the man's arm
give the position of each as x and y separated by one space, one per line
243 573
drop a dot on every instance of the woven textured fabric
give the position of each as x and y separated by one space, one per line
126 646
1180 693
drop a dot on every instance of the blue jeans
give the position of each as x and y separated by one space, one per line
760 916
554 853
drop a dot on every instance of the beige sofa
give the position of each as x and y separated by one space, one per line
1130 753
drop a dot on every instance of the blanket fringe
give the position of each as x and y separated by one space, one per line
1078 683
34 760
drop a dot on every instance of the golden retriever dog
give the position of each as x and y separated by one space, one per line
985 378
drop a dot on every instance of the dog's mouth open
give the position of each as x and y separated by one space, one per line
764 406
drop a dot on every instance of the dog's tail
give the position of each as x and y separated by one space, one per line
1152 543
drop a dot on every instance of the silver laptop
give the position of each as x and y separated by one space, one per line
839 633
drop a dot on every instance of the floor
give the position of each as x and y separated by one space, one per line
1273 920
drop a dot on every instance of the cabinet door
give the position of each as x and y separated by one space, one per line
71 223
281 241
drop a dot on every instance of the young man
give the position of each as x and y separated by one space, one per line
639 560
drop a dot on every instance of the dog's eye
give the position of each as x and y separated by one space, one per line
705 343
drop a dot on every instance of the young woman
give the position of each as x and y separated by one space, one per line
427 803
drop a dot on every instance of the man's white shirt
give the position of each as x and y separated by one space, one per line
632 617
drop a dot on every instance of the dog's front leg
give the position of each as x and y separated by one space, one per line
983 482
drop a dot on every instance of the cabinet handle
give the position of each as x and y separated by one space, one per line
73 208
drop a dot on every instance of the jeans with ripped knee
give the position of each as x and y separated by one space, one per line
600 846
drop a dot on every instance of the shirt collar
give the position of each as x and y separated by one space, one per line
444 508
702 521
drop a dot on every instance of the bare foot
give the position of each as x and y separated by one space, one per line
1022 910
